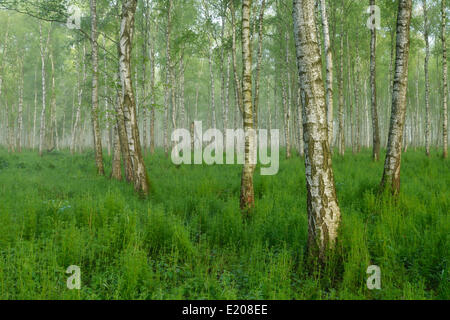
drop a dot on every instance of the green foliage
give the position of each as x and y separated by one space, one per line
189 240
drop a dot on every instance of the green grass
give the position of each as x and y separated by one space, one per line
188 240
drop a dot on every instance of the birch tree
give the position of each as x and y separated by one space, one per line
329 70
323 211
95 123
373 87
247 198
444 79
127 103
391 174
427 80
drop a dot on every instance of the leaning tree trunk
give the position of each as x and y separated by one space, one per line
444 79
329 70
323 211
391 174
140 178
95 124
373 96
247 199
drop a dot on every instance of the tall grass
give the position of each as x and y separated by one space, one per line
188 240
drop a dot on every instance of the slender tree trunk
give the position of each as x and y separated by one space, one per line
247 199
145 42
95 123
152 91
107 107
329 70
20 109
287 100
350 98
366 109
75 134
357 98
43 51
373 88
286 119
52 106
212 87
227 98
237 82
341 96
391 174
116 172
166 89
444 79
427 81
35 110
258 62
323 211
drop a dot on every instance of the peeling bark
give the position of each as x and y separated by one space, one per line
323 210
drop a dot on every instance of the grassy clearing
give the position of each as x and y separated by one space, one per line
188 240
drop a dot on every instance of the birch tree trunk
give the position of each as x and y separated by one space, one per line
329 70
116 172
140 178
391 174
166 89
52 105
341 132
300 103
152 93
145 42
444 79
95 124
247 199
35 110
109 124
258 62
237 82
20 108
323 211
427 80
373 88
75 135
43 51
212 87
287 100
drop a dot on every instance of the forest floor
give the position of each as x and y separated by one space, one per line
188 241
